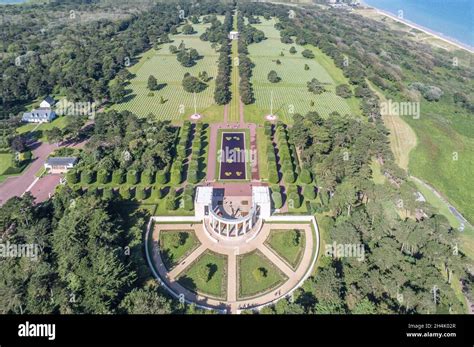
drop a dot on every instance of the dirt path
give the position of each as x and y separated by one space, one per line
402 137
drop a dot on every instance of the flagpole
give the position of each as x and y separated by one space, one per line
271 104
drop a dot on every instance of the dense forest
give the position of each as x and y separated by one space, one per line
75 55
91 257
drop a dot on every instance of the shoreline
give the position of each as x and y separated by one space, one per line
428 31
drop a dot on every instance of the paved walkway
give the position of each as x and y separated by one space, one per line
232 251
16 186
27 181
44 187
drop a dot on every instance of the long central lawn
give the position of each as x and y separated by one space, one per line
175 245
257 275
169 73
291 95
289 244
207 275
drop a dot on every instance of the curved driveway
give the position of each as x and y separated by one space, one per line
17 186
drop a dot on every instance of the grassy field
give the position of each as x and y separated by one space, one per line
443 157
284 243
207 275
402 137
290 95
257 275
178 105
5 162
445 142
59 122
176 245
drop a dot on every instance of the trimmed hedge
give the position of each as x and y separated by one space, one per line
157 193
87 176
305 176
125 192
268 128
171 200
148 177
107 193
162 177
277 199
193 165
294 200
176 177
181 150
193 176
309 192
118 176
141 193
132 177
189 190
188 203
287 166
72 177
273 176
289 176
102 176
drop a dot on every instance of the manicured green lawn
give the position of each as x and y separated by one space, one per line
257 275
178 105
291 95
289 244
176 245
59 122
5 161
207 275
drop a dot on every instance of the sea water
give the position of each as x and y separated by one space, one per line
452 18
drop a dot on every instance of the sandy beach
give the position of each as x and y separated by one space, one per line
439 36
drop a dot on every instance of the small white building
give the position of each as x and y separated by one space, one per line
202 201
261 198
209 208
234 35
39 115
59 165
48 102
